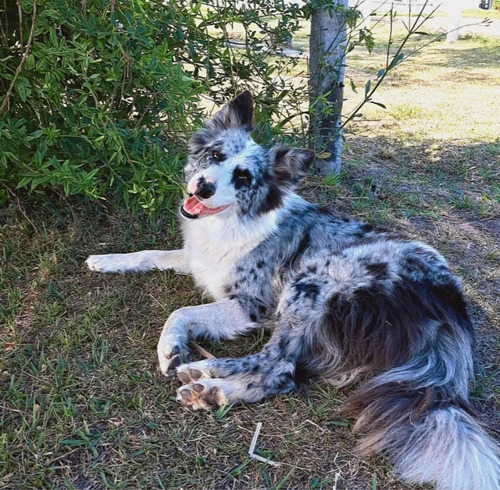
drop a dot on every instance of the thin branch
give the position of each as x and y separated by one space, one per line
416 25
20 14
4 32
5 103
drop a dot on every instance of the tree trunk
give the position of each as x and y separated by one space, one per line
454 21
327 66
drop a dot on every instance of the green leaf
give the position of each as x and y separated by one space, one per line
377 103
367 87
30 62
324 155
74 442
23 182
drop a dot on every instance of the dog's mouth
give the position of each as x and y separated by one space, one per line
194 208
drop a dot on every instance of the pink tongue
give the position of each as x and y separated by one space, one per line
193 206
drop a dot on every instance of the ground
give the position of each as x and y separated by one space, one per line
83 406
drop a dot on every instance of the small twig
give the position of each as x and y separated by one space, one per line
198 348
5 103
4 32
62 456
127 73
21 208
252 448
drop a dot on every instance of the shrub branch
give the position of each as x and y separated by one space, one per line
5 103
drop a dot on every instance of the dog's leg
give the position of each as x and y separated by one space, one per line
143 261
248 379
271 371
299 322
224 319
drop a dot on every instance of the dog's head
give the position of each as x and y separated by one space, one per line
226 168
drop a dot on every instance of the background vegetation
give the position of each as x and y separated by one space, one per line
81 403
97 96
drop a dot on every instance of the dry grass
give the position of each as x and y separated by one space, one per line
82 406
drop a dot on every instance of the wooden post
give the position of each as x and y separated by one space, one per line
455 8
327 66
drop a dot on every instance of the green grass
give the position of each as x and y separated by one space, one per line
82 405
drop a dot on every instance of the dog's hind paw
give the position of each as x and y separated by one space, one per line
202 395
193 371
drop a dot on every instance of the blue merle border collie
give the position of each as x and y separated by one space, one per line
346 302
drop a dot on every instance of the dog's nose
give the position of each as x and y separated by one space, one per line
205 190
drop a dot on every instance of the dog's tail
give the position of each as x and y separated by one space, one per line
419 415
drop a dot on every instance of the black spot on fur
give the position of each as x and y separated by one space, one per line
273 200
302 247
253 317
241 178
260 264
378 270
450 295
307 290
283 345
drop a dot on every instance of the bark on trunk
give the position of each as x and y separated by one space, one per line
327 66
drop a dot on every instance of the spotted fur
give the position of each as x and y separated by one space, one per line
347 302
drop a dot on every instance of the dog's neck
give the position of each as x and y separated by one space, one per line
221 234
214 244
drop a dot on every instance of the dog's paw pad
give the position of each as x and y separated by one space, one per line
187 374
200 396
184 377
198 388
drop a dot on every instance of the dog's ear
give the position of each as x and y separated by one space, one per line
236 114
291 164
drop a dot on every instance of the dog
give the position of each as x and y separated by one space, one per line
347 303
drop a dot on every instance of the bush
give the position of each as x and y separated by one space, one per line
97 101
97 96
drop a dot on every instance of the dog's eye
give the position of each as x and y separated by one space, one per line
242 177
217 155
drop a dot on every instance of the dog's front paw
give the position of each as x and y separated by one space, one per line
106 263
202 395
170 355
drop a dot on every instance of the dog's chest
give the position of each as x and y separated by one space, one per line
213 253
213 267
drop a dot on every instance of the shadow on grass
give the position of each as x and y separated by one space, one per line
82 404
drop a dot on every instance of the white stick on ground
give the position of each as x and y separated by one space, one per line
252 448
